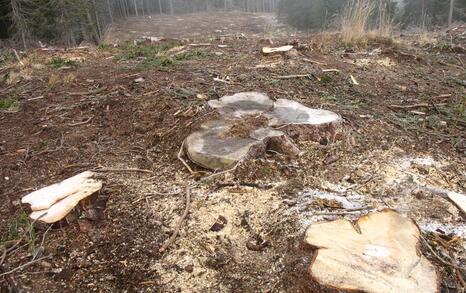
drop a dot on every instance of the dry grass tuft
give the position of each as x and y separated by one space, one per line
358 25
355 20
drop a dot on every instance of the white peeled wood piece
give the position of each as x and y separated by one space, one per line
269 50
43 198
60 209
457 198
382 257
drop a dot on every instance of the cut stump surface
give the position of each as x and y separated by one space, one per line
380 253
247 129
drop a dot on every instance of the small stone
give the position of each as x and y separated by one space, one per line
189 268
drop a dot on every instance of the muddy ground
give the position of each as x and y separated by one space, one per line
117 108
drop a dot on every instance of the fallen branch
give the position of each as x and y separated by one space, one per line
447 263
410 106
123 170
17 57
331 70
182 160
2 258
456 198
82 123
293 76
94 92
219 173
345 212
313 61
355 82
25 265
180 221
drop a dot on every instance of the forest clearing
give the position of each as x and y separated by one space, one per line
160 222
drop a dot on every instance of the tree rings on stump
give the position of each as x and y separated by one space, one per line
379 253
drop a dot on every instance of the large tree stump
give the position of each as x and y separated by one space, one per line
247 129
378 254
222 144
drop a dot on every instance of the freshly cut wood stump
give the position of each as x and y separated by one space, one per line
379 254
303 123
53 203
246 130
241 104
219 145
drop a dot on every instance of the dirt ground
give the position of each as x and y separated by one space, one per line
125 110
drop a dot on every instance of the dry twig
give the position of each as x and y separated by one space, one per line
123 170
180 221
83 122
293 76
24 265
182 160
17 57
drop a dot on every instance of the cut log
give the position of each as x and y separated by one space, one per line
44 198
53 203
380 253
269 50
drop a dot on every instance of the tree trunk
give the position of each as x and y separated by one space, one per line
450 13
110 13
97 20
423 13
160 7
171 7
135 8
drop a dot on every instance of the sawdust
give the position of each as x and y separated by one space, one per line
243 127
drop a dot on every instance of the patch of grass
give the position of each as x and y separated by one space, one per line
356 25
58 62
165 61
328 96
326 79
16 228
105 47
69 79
9 105
6 57
155 62
54 80
192 55
131 52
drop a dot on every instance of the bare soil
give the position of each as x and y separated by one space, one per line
406 127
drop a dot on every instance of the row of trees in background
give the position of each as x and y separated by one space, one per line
74 21
324 14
